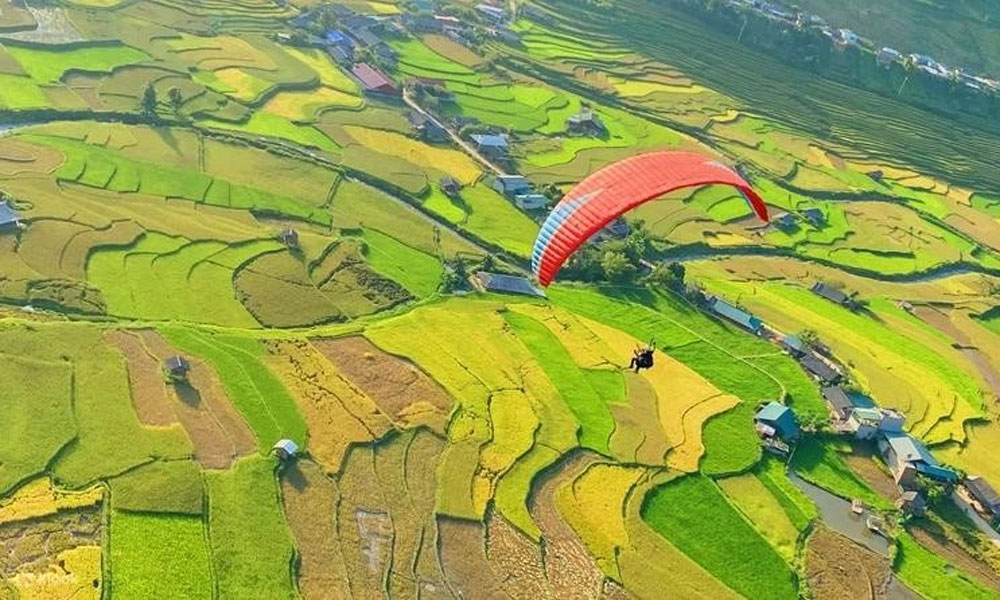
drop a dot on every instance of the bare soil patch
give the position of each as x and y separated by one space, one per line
217 430
839 569
397 386
569 568
149 392
516 559
862 461
462 548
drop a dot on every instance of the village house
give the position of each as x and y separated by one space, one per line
493 14
372 80
504 284
849 38
867 423
290 238
337 38
776 419
912 502
907 458
340 55
586 122
984 495
794 345
820 369
736 315
786 221
835 295
177 368
285 449
531 201
617 229
450 186
9 219
838 401
814 216
887 56
491 145
511 185
421 23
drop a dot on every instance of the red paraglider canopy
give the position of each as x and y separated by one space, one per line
617 189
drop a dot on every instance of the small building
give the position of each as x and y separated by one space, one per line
779 418
421 23
531 201
907 458
506 35
505 284
491 145
372 80
912 502
450 186
984 494
815 217
736 315
366 38
887 56
838 401
837 296
867 423
511 186
336 37
876 176
849 38
820 369
794 345
9 219
285 449
617 229
290 238
586 122
340 55
493 14
177 368
786 222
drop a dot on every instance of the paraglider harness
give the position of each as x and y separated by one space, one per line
642 358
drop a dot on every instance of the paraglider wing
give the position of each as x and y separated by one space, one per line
617 189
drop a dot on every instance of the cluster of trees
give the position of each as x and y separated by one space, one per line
150 101
630 260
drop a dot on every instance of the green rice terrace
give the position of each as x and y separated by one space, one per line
268 328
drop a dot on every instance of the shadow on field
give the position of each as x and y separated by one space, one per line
188 394
294 476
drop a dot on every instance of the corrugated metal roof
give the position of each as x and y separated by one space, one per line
773 411
8 216
371 78
490 140
507 284
723 308
983 491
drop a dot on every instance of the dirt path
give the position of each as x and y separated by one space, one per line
465 146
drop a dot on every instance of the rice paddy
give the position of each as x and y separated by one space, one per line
286 233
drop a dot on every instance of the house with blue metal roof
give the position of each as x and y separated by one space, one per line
491 145
780 418
739 316
9 219
907 458
336 37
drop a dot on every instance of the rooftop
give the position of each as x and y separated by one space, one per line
288 446
838 399
830 293
983 490
371 78
773 411
490 140
8 216
507 284
819 368
723 308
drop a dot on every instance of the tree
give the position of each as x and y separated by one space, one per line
489 263
669 276
617 267
149 102
176 100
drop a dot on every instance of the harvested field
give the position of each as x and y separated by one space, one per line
463 557
58 554
201 405
569 568
398 387
838 569
865 463
516 560
931 538
309 498
337 413
364 524
146 379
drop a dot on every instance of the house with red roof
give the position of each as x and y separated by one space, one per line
373 80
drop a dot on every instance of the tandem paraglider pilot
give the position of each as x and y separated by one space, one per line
642 358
